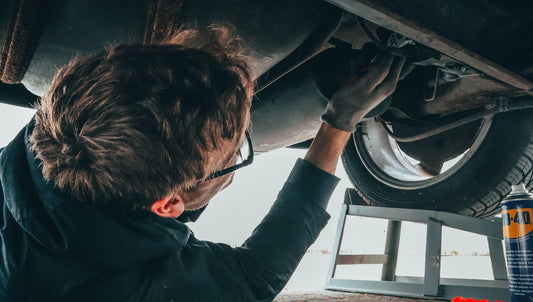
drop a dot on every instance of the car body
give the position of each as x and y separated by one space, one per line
454 136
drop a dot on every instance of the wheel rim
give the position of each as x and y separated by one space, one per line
384 159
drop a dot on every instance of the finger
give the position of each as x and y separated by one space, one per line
396 69
389 83
378 69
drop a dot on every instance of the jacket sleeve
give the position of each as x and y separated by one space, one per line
269 257
1 191
259 269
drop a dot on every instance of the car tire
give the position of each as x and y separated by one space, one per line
503 158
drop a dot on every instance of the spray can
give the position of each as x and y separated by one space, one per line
517 219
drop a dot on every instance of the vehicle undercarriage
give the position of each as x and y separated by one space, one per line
454 136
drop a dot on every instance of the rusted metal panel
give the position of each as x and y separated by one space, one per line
163 17
468 93
499 31
393 21
20 41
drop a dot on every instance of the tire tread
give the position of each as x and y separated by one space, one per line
499 166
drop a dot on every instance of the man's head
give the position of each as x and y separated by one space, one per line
135 124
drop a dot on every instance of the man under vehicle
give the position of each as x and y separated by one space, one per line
130 141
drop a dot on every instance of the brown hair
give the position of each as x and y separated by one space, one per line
134 123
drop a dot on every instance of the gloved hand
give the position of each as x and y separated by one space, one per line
363 92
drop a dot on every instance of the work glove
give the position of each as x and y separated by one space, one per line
363 92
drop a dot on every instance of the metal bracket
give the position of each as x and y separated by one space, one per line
398 41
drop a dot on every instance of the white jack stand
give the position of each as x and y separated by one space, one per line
431 285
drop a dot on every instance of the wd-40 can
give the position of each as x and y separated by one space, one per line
517 219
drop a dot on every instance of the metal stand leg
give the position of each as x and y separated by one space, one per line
497 259
433 247
392 244
338 241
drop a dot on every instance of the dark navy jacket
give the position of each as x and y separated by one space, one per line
58 249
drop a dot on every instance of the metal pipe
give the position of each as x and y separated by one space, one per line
287 112
502 107
392 245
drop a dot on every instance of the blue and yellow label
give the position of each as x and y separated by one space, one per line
517 222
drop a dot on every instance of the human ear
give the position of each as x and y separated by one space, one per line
169 207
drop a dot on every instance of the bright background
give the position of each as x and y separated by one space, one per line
233 214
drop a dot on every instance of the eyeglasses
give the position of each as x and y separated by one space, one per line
245 156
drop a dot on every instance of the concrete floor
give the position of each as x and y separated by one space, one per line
344 297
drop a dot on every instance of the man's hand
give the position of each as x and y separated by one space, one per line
363 92
348 107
